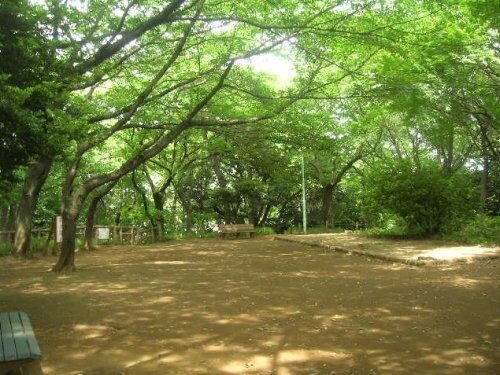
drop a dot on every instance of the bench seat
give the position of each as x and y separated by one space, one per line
17 339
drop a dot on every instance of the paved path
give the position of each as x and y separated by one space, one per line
415 252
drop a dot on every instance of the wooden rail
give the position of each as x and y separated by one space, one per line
118 234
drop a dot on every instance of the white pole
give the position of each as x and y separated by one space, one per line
304 213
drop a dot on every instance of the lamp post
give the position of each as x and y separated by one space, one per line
304 213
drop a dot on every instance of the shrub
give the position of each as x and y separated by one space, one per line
6 249
263 231
426 199
482 230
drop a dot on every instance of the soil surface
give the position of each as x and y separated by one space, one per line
256 306
403 251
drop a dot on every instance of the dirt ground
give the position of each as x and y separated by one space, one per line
414 252
256 306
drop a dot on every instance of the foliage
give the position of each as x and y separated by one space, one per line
6 249
426 199
392 104
39 246
264 231
30 97
481 230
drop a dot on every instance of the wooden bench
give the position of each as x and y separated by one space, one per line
236 229
18 345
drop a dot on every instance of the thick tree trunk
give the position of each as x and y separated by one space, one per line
70 213
66 261
327 209
35 178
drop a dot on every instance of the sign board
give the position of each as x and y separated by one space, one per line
103 233
59 229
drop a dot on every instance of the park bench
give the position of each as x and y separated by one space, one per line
19 350
236 229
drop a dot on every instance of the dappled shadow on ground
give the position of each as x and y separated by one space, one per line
256 307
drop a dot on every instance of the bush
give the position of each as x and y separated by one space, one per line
38 245
482 230
6 249
427 200
264 231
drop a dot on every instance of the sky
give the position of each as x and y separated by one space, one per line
275 65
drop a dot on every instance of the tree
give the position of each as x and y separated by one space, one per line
30 107
173 86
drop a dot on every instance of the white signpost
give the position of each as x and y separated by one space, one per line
103 233
59 229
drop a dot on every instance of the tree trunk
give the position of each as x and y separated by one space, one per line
221 179
450 148
254 210
88 242
8 222
187 207
265 215
70 213
35 178
327 210
159 202
485 174
188 211
4 217
66 261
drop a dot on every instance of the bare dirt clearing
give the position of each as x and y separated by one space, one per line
256 307
404 251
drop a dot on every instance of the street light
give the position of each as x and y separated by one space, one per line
304 213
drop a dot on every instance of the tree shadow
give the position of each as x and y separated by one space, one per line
258 307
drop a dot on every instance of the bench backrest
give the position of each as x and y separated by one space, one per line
236 227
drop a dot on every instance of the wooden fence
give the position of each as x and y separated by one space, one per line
121 234
7 236
118 234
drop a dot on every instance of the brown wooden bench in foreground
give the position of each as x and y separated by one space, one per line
19 349
236 229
